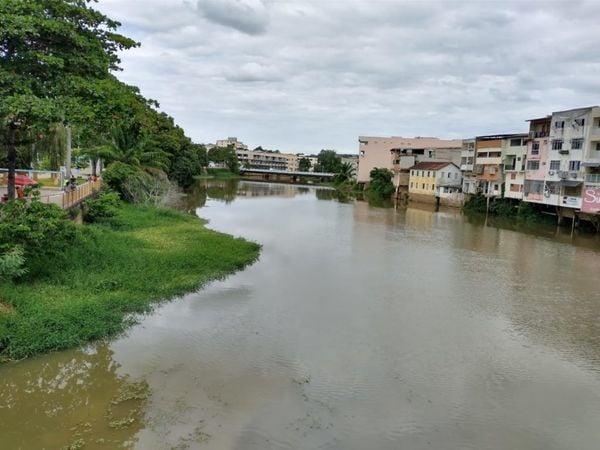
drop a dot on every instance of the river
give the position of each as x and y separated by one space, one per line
358 328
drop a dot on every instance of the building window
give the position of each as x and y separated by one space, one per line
412 172
433 187
428 173
557 144
533 165
515 142
555 165
411 184
577 144
597 145
535 148
423 185
574 165
580 122
559 124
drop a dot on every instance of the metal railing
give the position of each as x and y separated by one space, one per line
593 178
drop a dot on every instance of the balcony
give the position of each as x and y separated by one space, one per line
466 167
538 134
593 178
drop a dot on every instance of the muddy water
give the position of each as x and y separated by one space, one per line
358 328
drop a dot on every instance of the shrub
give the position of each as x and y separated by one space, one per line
41 230
117 173
381 186
12 263
105 206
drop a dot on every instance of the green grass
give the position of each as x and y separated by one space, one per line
111 272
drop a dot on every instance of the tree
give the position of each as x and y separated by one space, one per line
52 53
304 164
381 185
328 161
226 156
345 173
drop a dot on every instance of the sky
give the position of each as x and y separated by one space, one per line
305 75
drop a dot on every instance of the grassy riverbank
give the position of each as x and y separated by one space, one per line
111 272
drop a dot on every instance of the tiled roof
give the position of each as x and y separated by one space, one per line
430 165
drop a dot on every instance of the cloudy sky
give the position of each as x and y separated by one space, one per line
302 75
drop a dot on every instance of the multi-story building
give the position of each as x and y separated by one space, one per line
233 141
400 154
467 166
514 151
487 170
536 160
262 160
567 174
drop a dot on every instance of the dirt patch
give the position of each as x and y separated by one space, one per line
6 308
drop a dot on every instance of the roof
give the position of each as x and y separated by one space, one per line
432 165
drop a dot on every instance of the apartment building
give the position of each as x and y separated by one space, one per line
266 160
567 174
536 160
467 167
233 141
400 154
514 152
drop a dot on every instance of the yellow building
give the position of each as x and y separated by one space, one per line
434 178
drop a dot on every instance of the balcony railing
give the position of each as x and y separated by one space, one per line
593 178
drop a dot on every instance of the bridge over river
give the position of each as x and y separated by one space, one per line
285 176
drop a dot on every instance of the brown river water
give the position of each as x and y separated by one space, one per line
358 328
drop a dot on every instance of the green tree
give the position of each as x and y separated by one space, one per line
304 164
345 173
52 53
328 161
225 155
381 185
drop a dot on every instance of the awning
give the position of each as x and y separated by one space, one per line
570 183
590 164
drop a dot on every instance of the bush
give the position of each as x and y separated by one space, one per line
41 230
12 263
381 186
105 206
117 173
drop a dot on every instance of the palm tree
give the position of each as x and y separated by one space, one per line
345 173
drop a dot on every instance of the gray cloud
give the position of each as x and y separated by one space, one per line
316 74
247 16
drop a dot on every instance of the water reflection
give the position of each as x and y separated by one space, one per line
71 398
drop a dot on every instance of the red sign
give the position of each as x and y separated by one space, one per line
591 200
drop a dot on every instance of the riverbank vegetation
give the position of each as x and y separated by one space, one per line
509 209
130 257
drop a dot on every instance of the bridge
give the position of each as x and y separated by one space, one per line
284 176
69 199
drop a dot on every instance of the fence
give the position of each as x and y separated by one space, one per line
68 199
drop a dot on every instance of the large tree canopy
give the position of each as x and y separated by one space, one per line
53 56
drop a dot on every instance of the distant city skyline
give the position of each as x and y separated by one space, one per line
300 76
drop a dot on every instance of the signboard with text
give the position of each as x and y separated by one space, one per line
591 200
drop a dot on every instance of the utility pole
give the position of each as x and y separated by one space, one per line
68 161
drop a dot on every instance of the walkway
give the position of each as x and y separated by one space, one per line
69 199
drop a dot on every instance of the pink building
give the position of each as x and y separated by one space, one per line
400 154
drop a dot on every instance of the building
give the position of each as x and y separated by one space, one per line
563 166
233 141
467 166
429 181
536 160
263 160
400 154
514 152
